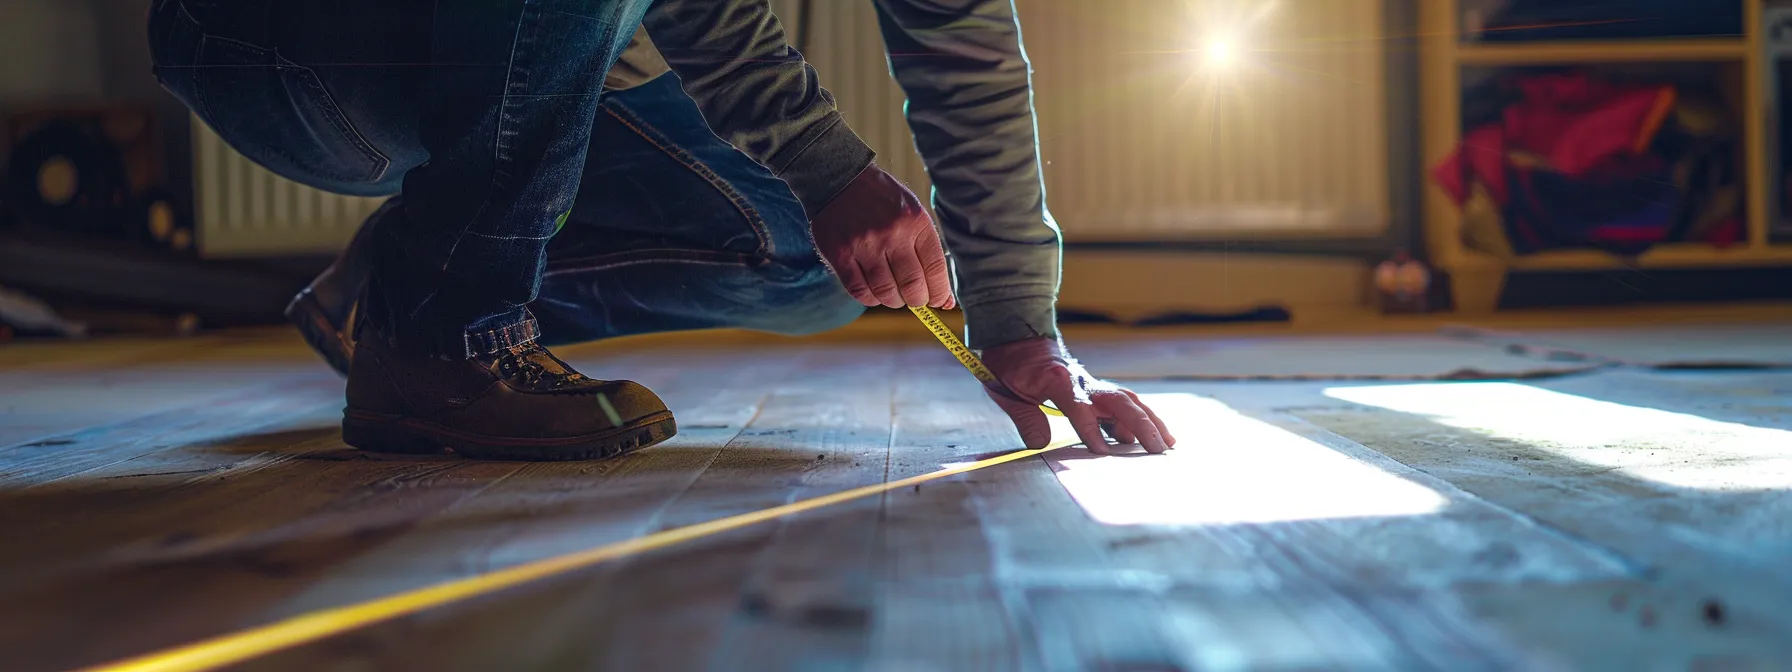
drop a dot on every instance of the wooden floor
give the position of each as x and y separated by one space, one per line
153 493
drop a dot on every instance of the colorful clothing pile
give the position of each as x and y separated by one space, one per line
1576 162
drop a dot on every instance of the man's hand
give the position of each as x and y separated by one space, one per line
1039 370
882 244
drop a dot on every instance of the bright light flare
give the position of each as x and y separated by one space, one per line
1220 52
1223 30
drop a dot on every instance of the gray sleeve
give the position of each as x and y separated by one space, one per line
758 93
970 106
639 64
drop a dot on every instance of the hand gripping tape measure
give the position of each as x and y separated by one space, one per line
966 357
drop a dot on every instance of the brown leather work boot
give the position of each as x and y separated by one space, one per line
520 404
325 311
326 332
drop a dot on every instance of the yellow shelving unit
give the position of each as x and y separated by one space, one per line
1546 53
1477 278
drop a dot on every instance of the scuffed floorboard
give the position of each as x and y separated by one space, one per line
1625 519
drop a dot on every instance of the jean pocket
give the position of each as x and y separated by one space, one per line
279 115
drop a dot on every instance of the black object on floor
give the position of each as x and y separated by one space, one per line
1074 316
1260 314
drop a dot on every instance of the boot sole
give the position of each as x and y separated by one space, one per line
376 433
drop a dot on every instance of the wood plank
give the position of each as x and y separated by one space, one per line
1048 543
89 354
1080 629
256 540
38 412
1186 628
931 600
942 625
837 410
808 600
64 389
1425 445
549 509
1676 346
211 553
1296 574
261 346
222 520
139 479
1269 499
1632 625
1761 399
1397 356
939 603
1128 577
242 412
663 610
95 522
198 511
1689 501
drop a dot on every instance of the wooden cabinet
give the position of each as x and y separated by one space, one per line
1477 278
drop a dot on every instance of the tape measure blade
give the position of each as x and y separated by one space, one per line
943 333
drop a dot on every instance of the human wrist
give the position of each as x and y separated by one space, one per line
823 169
992 324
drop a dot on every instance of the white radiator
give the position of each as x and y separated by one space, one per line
244 210
1145 139
1141 140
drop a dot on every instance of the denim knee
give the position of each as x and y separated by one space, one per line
810 302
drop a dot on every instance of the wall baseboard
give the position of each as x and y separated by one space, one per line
1129 285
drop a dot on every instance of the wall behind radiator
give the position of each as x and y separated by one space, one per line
50 51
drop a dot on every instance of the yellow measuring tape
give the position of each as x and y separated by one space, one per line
964 354
238 647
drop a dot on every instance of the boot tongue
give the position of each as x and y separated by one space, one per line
532 367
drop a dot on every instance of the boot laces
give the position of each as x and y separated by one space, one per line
522 366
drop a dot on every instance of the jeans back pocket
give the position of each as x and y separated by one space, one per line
279 115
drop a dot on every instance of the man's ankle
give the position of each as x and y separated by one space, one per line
482 342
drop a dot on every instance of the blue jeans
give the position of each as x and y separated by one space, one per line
524 193
676 229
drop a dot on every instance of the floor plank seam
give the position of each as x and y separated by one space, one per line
202 402
1628 566
221 470
1012 595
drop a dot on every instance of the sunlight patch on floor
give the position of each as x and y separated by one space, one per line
1675 449
1231 468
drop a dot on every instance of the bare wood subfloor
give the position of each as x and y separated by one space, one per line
156 493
